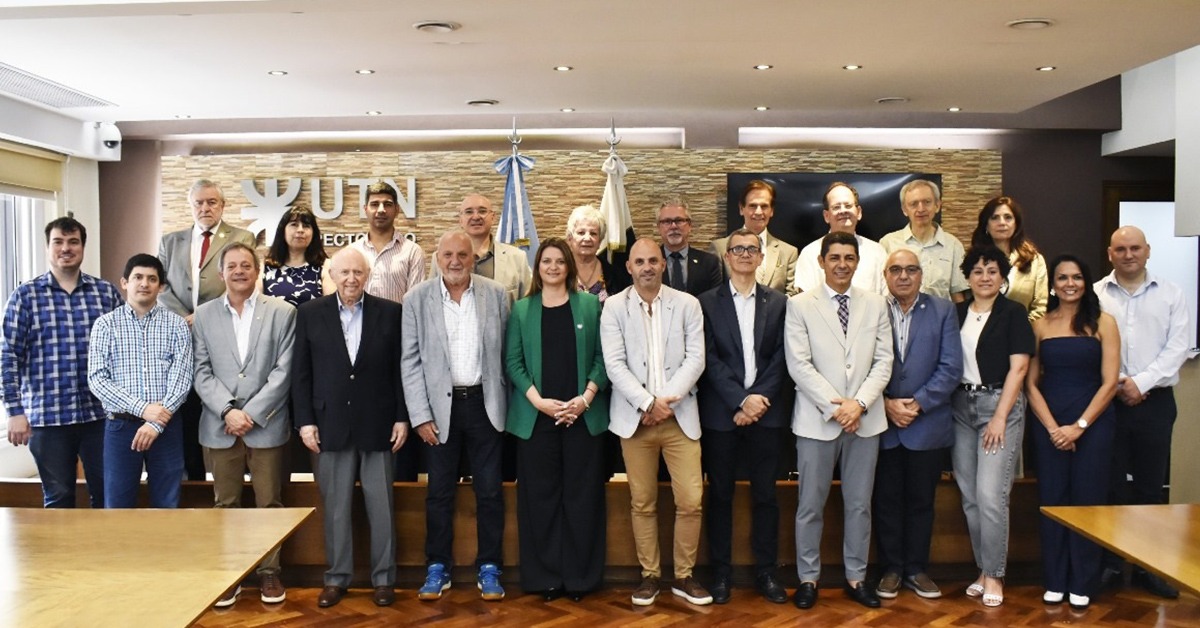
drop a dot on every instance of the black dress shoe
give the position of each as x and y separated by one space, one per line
552 594
806 595
862 594
770 588
1111 577
576 596
720 590
1154 584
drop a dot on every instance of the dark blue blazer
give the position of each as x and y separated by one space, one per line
725 371
930 371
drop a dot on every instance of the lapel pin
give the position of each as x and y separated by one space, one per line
579 326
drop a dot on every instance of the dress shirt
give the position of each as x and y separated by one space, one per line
43 352
901 322
134 362
395 269
1155 328
241 324
197 247
743 306
940 259
868 276
351 318
656 376
462 330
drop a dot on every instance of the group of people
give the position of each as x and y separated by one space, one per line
880 358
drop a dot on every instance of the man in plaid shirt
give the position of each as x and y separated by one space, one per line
43 367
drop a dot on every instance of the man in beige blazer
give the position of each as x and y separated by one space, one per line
778 268
838 348
500 262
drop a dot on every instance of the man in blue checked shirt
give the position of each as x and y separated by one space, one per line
140 366
46 326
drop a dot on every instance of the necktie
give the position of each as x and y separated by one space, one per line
677 271
204 247
843 310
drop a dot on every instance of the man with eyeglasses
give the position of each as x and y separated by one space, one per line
912 452
940 252
688 269
503 263
397 263
842 213
778 267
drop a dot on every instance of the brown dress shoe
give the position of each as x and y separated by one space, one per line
384 596
330 595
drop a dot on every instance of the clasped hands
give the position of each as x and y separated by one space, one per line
659 411
563 412
848 414
753 408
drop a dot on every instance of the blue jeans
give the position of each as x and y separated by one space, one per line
123 465
984 479
55 450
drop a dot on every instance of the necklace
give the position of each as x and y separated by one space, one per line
591 277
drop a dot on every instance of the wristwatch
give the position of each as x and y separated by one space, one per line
861 404
1082 424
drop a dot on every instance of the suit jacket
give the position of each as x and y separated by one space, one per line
930 371
175 252
779 263
1006 332
827 364
260 386
425 354
703 271
623 337
354 406
523 359
725 370
510 266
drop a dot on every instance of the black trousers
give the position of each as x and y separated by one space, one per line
472 432
193 453
561 507
1142 448
758 448
902 507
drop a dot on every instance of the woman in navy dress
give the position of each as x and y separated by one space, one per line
1071 384
294 267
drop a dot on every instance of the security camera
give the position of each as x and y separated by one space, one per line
109 134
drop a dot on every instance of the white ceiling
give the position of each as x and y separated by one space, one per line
661 63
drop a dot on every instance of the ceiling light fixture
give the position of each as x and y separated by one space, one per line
954 109
277 73
563 68
436 26
374 113
364 71
567 109
891 100
852 67
483 102
763 66
1047 68
761 108
182 116
1030 23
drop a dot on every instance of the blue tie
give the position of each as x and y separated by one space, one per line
843 310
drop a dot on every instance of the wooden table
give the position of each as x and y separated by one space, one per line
1164 539
129 567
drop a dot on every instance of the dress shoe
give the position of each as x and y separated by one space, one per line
1111 577
576 596
330 595
720 590
770 588
806 595
552 594
1154 584
384 596
862 594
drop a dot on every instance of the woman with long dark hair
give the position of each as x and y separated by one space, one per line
1002 225
294 265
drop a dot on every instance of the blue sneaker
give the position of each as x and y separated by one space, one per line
437 580
489 583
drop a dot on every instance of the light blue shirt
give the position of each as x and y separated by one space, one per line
351 318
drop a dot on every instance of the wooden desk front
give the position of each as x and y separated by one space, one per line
129 567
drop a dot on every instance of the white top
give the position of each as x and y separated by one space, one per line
656 376
1155 326
744 306
462 331
241 324
868 276
971 328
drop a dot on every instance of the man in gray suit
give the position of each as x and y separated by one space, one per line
838 347
190 258
653 339
452 359
243 351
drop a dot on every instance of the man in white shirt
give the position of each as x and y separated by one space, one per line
1152 314
940 252
842 213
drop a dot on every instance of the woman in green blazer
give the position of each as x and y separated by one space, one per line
554 360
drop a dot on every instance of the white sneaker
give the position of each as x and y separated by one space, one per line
1052 597
1079 602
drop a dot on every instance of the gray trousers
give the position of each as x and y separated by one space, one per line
336 472
815 460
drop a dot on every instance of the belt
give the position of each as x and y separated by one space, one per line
467 392
981 387
124 416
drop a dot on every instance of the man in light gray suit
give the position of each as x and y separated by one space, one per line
653 339
190 258
452 359
243 352
838 347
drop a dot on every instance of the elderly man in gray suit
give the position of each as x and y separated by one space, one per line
838 348
243 351
190 258
452 359
653 339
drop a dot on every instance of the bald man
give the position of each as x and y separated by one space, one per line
1152 315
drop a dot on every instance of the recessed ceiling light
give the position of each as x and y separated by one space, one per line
567 109
1030 23
763 66
891 100
277 73
436 26
954 109
364 71
761 108
563 68
852 67
374 113
483 102
182 116
1047 68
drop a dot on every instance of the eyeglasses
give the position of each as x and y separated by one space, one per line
843 207
471 212
896 271
674 222
742 249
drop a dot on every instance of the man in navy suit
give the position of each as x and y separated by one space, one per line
912 452
688 269
744 409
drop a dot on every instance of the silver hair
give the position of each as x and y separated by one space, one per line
937 193
675 200
200 184
586 213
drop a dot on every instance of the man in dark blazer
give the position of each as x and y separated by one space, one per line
688 269
912 452
348 398
744 412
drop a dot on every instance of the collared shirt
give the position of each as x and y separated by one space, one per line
395 269
940 259
43 351
1155 328
868 276
656 376
462 331
241 324
485 265
744 306
197 247
351 318
134 362
901 322
683 263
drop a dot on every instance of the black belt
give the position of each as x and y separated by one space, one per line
981 387
467 392
124 416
